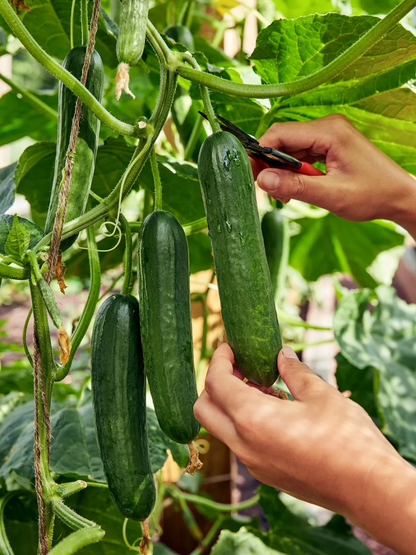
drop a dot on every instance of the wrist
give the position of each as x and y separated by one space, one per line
385 504
405 211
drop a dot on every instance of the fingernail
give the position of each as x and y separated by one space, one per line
288 352
268 180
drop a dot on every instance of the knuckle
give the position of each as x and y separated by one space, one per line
209 384
298 186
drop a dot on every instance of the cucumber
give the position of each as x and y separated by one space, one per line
244 283
166 327
274 228
119 398
132 33
181 34
87 142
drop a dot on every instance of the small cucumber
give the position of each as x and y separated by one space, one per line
86 145
119 397
165 312
244 283
132 33
274 228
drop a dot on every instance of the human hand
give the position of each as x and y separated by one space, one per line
361 183
322 447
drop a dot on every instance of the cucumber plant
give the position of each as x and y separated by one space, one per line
175 73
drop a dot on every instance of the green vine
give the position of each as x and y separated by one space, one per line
156 179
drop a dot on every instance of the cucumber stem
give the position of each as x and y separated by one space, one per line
157 180
128 256
31 99
210 536
176 493
5 547
193 139
89 308
72 23
303 84
77 540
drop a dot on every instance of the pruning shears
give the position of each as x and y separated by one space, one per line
270 156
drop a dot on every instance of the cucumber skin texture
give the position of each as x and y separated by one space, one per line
166 325
119 399
276 243
244 283
87 141
181 34
132 34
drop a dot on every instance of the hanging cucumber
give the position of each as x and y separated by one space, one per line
130 41
166 326
87 141
244 283
274 228
119 397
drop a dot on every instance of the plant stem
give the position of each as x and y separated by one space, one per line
193 139
176 493
5 547
300 346
219 35
190 521
31 99
84 22
195 226
112 284
24 338
205 96
156 179
77 540
300 323
128 256
10 272
91 303
72 22
189 13
20 31
157 121
303 84
70 517
210 536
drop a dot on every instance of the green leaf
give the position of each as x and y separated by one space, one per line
181 190
7 187
293 535
74 448
242 542
331 244
360 382
243 112
200 252
18 239
56 15
34 232
383 339
375 92
34 177
20 119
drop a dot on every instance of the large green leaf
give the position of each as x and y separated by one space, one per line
244 112
48 15
293 535
375 92
330 244
19 119
34 176
7 187
384 339
242 542
74 448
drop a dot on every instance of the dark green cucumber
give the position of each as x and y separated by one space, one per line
166 326
132 33
244 283
87 142
274 228
181 34
119 397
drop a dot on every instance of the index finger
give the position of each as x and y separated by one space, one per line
314 137
225 389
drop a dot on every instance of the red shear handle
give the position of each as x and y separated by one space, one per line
308 169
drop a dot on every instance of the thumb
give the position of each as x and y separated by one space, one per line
286 185
298 377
